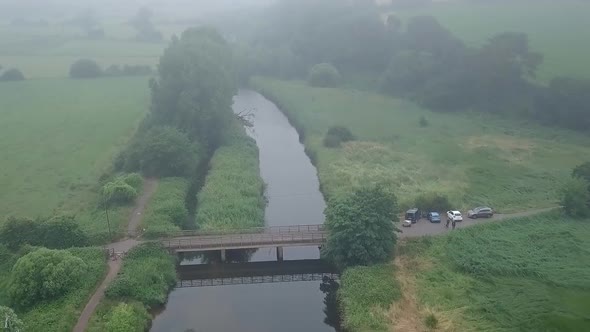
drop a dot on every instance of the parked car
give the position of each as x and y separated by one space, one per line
481 212
433 217
411 217
454 215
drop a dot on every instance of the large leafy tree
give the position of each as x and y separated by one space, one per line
44 274
195 86
360 225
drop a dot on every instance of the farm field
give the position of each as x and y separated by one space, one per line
57 137
472 158
553 28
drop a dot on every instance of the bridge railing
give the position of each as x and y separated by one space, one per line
266 230
252 240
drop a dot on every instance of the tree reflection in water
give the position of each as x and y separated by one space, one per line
330 287
214 257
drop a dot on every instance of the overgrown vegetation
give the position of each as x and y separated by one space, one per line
233 194
432 202
166 212
85 68
336 136
123 189
59 232
576 192
323 75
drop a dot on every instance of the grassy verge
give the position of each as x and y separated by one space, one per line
365 296
166 211
232 196
472 158
147 275
62 314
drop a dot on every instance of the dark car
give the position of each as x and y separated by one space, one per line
481 212
411 217
433 217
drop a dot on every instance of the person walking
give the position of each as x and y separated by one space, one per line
454 223
448 221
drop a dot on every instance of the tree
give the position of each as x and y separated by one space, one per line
195 86
323 75
161 151
9 321
360 226
127 318
576 198
62 232
44 274
16 232
337 135
12 74
85 68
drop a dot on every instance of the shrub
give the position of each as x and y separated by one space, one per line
16 232
161 151
9 322
576 198
423 122
127 318
431 321
85 68
323 75
12 75
360 227
44 274
62 232
118 192
432 202
337 135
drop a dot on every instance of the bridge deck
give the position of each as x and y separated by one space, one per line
304 235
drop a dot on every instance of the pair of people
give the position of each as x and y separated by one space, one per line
449 221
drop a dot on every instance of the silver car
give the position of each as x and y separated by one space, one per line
481 212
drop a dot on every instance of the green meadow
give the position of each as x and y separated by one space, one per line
555 28
58 136
475 159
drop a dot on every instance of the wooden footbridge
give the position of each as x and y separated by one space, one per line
253 238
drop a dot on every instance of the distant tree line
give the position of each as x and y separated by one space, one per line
87 68
419 60
11 74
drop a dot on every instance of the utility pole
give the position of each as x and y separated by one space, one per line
106 211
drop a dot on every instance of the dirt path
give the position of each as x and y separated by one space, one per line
424 227
149 188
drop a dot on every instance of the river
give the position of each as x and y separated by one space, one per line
293 199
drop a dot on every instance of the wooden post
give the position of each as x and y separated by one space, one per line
280 254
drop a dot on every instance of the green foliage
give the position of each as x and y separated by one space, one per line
323 75
582 171
576 198
85 68
360 226
10 321
16 232
232 196
431 321
118 192
161 151
44 275
423 122
365 295
12 74
166 213
148 273
195 86
337 135
59 232
127 318
432 202
127 70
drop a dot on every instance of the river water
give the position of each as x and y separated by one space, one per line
293 199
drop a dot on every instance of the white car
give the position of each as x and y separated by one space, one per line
454 215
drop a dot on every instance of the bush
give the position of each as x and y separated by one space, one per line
127 318
423 122
16 232
360 227
118 192
337 135
9 322
148 273
12 75
432 202
85 68
323 75
62 232
44 274
161 151
576 198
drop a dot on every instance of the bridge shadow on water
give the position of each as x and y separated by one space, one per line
206 269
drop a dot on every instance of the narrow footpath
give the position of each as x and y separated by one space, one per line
149 188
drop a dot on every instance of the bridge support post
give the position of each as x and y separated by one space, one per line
280 254
223 255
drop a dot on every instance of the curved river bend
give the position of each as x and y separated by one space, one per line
293 199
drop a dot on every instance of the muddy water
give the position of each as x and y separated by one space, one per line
293 199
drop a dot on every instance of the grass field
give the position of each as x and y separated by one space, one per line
232 196
529 274
554 28
58 136
474 159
